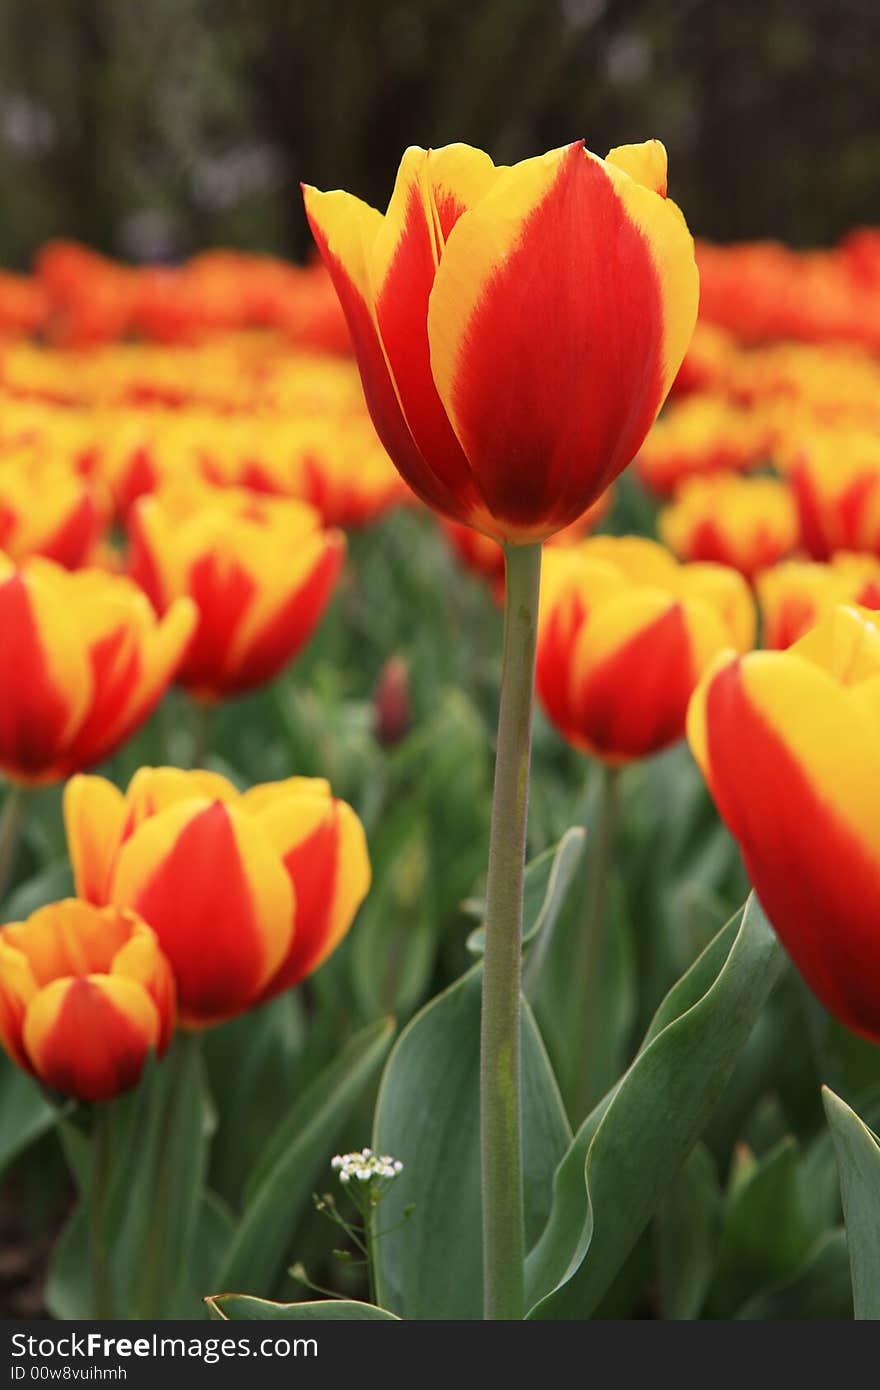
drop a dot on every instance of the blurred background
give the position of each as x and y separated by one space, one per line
153 130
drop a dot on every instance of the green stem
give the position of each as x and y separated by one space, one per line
590 940
11 821
102 1172
500 1104
201 722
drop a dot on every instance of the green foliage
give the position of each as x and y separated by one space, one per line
858 1161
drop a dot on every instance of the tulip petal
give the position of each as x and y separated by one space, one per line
90 1037
323 847
433 189
94 817
44 675
208 881
345 230
633 670
809 822
552 379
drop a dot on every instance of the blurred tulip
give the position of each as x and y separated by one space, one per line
392 708
625 633
260 571
835 476
83 662
247 893
85 995
794 595
789 743
747 523
517 329
47 509
702 435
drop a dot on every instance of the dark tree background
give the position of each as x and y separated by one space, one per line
156 128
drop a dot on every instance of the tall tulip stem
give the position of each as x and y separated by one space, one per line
500 1085
102 1280
11 819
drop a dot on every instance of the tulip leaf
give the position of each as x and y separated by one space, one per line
765 1235
48 886
429 1261
629 1149
858 1164
548 878
25 1114
241 1308
820 1290
688 1220
295 1158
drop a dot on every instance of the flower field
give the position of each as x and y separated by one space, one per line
336 970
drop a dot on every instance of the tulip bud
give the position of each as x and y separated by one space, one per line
392 710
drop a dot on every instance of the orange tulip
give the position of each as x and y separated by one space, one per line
624 635
246 893
789 743
83 662
517 329
85 995
260 571
748 523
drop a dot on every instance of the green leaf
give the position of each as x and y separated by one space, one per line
630 1148
548 878
48 886
281 1185
688 1221
429 1265
858 1163
765 1235
820 1290
24 1114
239 1307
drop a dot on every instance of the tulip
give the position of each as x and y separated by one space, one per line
748 523
835 477
794 595
260 571
702 435
789 743
517 329
624 635
47 509
83 662
247 893
85 996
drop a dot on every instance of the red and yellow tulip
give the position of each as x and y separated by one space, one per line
83 662
835 475
260 571
47 509
794 595
747 523
517 329
789 743
703 434
85 995
247 893
624 634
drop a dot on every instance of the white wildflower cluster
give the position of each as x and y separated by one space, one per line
365 1166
